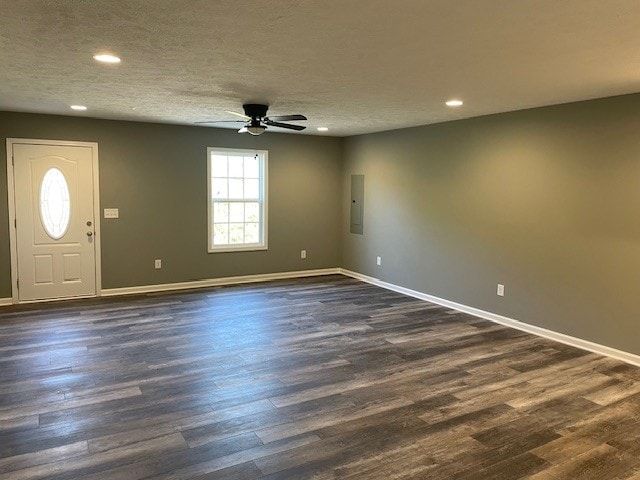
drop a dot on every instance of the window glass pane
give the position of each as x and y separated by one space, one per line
235 167
219 188
236 213
252 189
252 233
252 212
236 233
251 167
235 189
238 190
55 206
220 212
219 164
221 234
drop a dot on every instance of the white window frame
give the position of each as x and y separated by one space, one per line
264 169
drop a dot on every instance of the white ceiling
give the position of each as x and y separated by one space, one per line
354 66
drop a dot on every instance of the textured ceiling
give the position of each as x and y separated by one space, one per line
354 66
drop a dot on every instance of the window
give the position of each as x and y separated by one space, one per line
55 206
237 199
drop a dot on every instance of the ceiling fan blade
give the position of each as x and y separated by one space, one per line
284 125
243 130
237 114
286 118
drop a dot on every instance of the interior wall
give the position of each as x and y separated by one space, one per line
545 201
156 175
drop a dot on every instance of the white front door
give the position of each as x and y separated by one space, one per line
55 225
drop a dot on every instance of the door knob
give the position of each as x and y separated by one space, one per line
89 234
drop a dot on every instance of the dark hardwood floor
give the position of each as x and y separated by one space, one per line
319 378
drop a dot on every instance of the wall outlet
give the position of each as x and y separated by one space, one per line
158 263
303 254
378 261
500 290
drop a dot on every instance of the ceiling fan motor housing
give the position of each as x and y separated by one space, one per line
255 110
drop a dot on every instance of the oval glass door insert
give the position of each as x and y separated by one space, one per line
55 206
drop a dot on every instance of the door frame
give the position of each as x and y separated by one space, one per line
12 210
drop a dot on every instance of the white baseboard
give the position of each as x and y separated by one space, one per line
216 282
5 301
509 322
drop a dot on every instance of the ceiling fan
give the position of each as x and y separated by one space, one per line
256 120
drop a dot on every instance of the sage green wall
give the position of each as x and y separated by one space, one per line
544 201
157 176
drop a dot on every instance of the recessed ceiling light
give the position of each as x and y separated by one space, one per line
454 103
79 108
323 129
106 58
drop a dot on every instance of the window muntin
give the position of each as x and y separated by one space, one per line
55 203
237 200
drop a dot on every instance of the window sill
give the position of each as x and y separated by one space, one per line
247 248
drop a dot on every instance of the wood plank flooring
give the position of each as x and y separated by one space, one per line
321 378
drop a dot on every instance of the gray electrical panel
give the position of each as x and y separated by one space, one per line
357 204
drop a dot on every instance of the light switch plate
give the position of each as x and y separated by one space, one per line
111 213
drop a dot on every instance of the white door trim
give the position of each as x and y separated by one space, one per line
12 207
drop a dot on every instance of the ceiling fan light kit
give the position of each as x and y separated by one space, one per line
255 129
256 120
